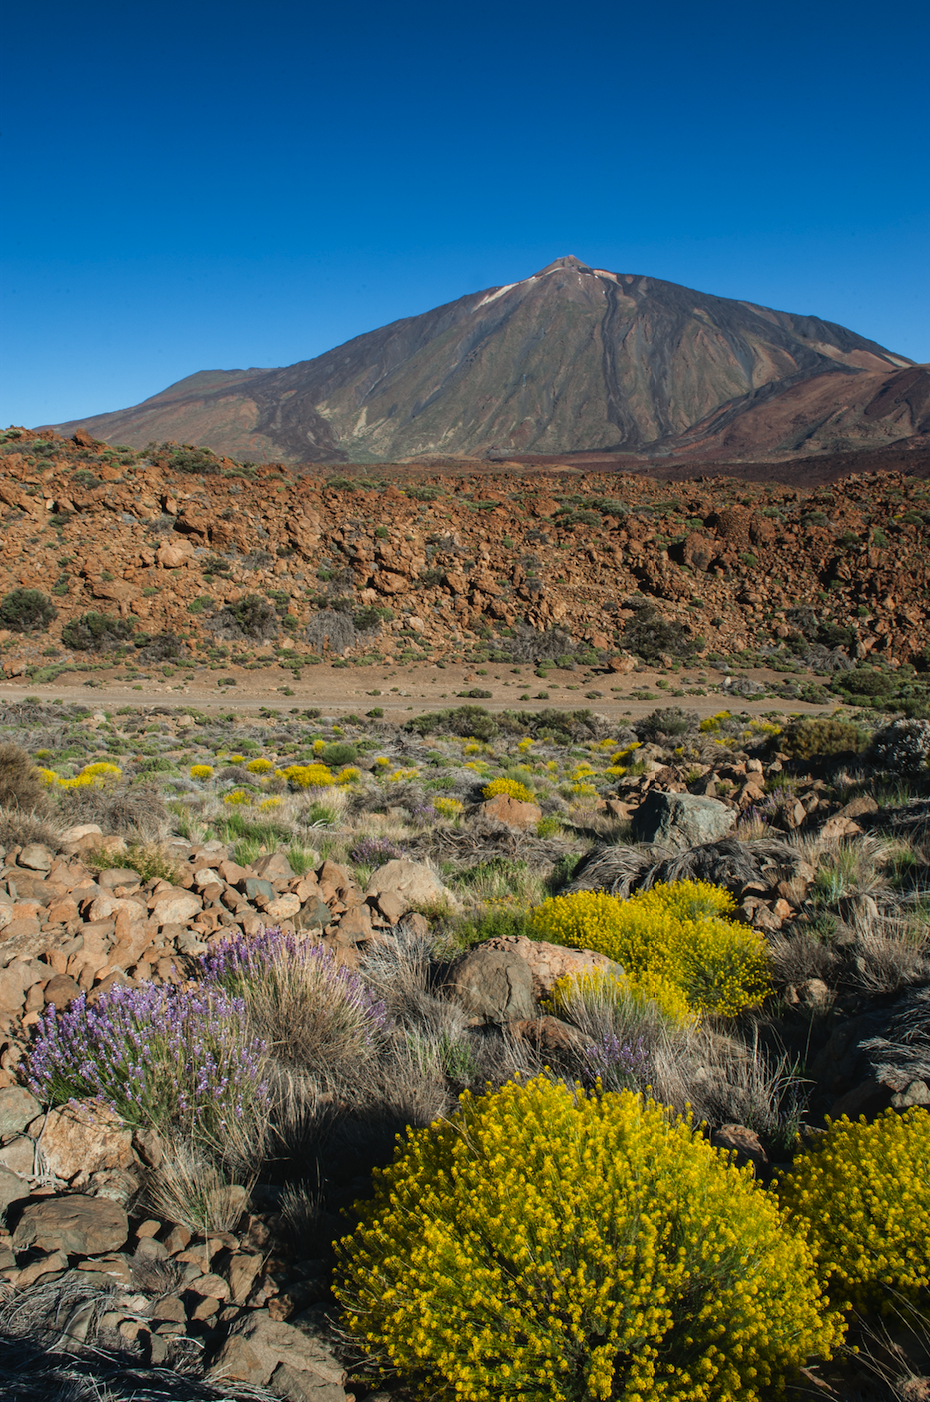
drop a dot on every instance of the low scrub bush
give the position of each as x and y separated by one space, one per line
649 636
550 1245
96 632
903 746
678 933
157 1055
133 811
664 723
21 783
311 1011
511 787
333 629
157 647
821 738
26 611
251 617
861 1196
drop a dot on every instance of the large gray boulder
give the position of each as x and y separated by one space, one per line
492 985
681 820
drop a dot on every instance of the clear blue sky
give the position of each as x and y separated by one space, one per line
200 186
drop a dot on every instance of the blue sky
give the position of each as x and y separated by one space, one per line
218 186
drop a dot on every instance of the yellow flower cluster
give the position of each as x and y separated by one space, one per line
620 989
201 771
712 723
677 932
548 1245
621 761
861 1195
92 776
259 766
526 744
448 807
238 797
511 787
307 776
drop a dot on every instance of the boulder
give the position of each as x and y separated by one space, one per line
412 883
18 1108
61 990
259 1345
492 985
85 1137
742 1142
549 962
82 830
274 867
512 812
19 1155
681 820
175 906
78 1225
296 1385
36 857
12 1188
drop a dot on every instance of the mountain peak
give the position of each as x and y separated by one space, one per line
568 261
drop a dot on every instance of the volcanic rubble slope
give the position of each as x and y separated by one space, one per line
180 556
126 1256
573 358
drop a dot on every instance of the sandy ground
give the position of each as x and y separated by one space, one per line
397 690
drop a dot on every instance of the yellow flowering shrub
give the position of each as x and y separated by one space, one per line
238 798
679 932
668 997
270 803
349 775
259 766
713 723
448 807
548 1245
92 776
201 771
307 776
525 744
511 787
861 1195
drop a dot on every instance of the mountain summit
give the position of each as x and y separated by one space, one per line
572 358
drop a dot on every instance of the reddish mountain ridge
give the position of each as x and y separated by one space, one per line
571 359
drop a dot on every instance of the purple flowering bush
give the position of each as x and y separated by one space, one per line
156 1055
617 1064
373 851
309 1009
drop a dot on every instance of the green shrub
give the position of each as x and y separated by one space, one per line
650 636
26 611
679 933
21 784
338 753
861 1196
96 632
865 681
553 1246
249 617
821 738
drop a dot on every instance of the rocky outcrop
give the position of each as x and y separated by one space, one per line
799 573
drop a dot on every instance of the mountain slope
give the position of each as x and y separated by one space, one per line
572 358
